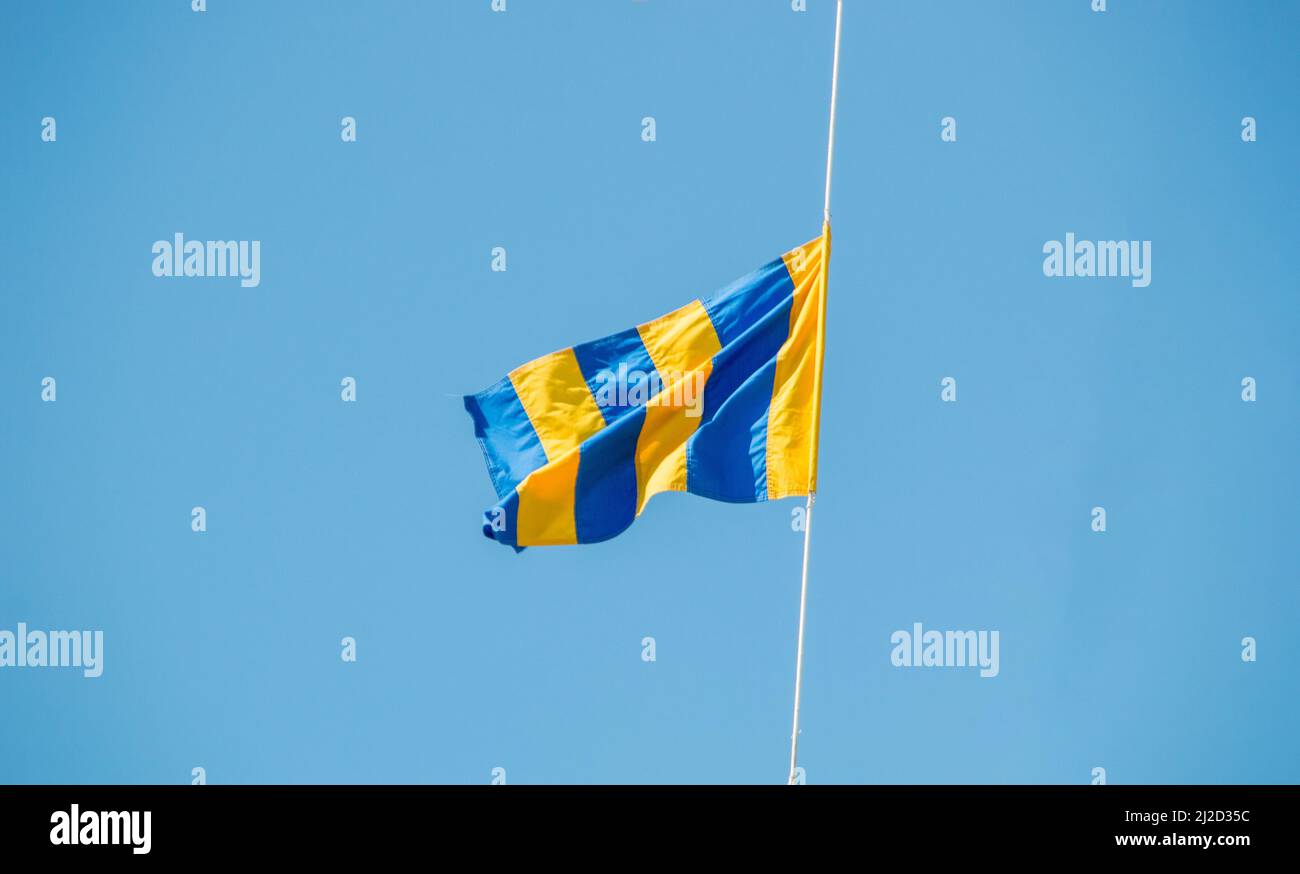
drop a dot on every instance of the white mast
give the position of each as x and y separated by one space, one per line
812 492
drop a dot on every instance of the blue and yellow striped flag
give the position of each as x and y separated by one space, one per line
720 398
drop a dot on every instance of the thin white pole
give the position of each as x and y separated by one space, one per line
835 81
812 492
798 663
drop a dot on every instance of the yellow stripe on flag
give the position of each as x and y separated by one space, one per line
558 401
792 416
546 503
681 345
682 340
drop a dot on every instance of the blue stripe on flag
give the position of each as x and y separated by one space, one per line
726 458
605 496
621 355
509 442
738 306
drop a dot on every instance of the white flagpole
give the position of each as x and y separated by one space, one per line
812 493
835 81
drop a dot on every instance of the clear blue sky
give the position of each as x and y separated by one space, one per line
325 519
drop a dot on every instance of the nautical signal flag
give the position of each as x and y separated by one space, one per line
720 398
